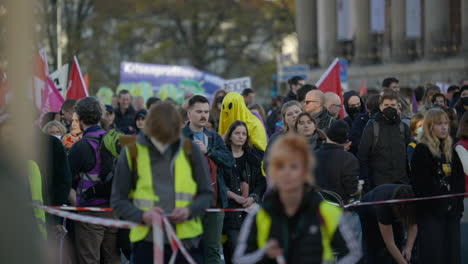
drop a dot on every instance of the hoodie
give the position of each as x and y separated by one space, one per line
351 116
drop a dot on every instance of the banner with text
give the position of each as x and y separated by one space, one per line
238 84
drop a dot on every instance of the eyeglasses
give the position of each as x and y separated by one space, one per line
307 102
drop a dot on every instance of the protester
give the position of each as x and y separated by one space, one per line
220 93
140 120
462 105
151 101
315 105
393 84
337 170
90 168
115 101
451 91
294 222
353 105
109 116
54 128
67 110
384 226
274 115
249 96
246 183
416 130
427 99
181 185
382 149
219 159
139 103
75 133
125 113
438 99
435 171
289 112
294 83
234 109
333 104
302 93
306 126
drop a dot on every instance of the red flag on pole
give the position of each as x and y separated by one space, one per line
363 89
76 85
330 82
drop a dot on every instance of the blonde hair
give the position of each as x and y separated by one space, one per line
54 123
436 146
285 108
281 151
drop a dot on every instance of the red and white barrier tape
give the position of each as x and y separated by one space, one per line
81 208
158 240
176 244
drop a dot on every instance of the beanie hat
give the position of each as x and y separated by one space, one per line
338 132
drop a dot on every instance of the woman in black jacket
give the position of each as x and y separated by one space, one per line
435 171
246 184
294 223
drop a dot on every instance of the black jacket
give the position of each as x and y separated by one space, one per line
337 170
125 122
300 236
426 178
350 118
290 97
385 162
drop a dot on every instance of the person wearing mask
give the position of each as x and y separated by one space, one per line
462 105
54 128
294 83
219 159
382 150
67 110
384 225
439 99
353 105
315 105
162 173
294 222
333 104
249 96
75 133
140 120
393 84
306 126
436 171
125 113
246 184
90 167
338 170
416 130
360 121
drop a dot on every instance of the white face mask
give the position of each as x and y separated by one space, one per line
59 137
419 131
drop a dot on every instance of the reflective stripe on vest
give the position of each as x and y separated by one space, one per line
145 198
35 182
263 227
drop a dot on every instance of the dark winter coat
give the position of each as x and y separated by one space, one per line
290 97
337 170
350 118
386 162
125 122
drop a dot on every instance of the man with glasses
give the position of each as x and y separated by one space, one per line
333 104
315 105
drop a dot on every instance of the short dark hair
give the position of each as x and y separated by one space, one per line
302 92
453 88
372 102
388 95
388 81
151 101
247 91
405 212
419 93
68 104
89 110
197 99
434 97
122 92
295 80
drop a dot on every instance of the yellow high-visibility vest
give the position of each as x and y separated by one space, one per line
145 198
35 182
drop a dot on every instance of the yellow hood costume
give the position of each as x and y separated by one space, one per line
234 109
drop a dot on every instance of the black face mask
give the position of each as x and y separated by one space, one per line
390 113
352 111
464 101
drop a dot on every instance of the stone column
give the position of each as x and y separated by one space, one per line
360 16
399 48
436 28
306 28
327 31
464 26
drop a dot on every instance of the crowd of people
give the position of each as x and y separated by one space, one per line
288 167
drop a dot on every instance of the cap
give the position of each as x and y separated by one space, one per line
338 132
109 109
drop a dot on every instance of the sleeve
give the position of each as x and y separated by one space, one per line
345 242
121 186
365 148
201 175
247 251
463 156
62 179
220 153
260 180
350 175
422 171
384 214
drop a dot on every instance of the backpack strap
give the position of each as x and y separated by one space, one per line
187 146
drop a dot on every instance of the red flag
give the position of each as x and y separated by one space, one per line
330 82
363 89
76 85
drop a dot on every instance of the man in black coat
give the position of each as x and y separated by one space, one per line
338 170
125 113
382 150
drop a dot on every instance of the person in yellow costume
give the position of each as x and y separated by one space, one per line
233 109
